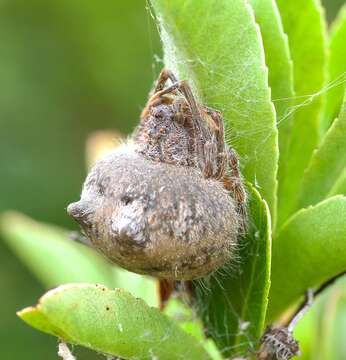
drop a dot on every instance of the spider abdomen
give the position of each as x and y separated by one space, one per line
156 218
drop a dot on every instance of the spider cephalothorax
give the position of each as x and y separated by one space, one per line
172 203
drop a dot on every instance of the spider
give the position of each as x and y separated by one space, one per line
194 138
170 203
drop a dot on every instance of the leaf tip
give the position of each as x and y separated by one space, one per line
22 314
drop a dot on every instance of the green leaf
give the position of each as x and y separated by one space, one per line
327 163
111 322
51 255
141 286
55 258
331 337
308 329
336 70
339 187
217 47
233 305
321 331
305 26
309 249
280 65
189 321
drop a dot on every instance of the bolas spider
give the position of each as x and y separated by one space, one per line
171 203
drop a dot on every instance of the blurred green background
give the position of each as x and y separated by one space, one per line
67 67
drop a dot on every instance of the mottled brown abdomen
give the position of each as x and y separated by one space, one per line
155 218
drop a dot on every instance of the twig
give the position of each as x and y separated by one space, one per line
306 304
309 297
278 343
64 352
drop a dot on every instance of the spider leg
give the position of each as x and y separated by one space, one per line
197 120
156 93
165 74
165 289
234 184
156 99
213 163
216 121
208 159
218 127
206 151
168 90
187 92
210 142
182 86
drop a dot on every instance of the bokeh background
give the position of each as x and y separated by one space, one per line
67 68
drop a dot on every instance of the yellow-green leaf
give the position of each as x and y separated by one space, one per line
305 26
308 250
336 70
51 254
280 66
112 322
339 187
327 163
